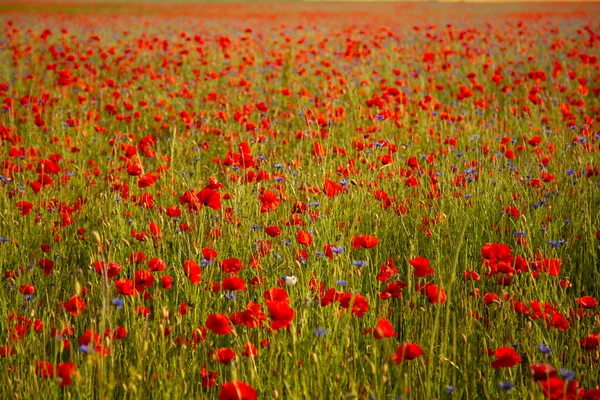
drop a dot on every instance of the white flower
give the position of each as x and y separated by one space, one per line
291 280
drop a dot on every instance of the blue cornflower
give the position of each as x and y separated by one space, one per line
118 302
337 249
567 374
545 349
320 331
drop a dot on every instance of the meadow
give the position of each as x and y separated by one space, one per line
312 201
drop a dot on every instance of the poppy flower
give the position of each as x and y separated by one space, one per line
499 252
250 350
232 265
237 390
223 355
541 372
137 257
210 198
407 351
384 329
156 265
366 241
233 283
558 321
174 212
304 238
587 302
125 287
555 389
276 294
268 201
219 324
435 294
281 314
590 342
44 369
273 231
209 378
191 269
332 189
505 357
47 266
75 305
421 267
25 207
166 281
6 351
209 254
111 269
65 372
252 317
142 280
359 303
387 270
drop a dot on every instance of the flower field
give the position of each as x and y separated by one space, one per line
321 201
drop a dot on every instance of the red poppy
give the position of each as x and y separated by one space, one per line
273 231
223 355
6 351
252 316
555 389
233 283
332 189
281 314
384 329
166 282
541 372
210 198
435 294
65 372
250 350
269 201
209 378
119 333
142 280
407 351
156 265
387 270
75 305
191 269
421 267
558 321
44 369
237 390
505 357
590 342
125 287
304 238
587 302
232 265
174 212
366 241
47 266
137 257
276 294
25 207
111 269
219 324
